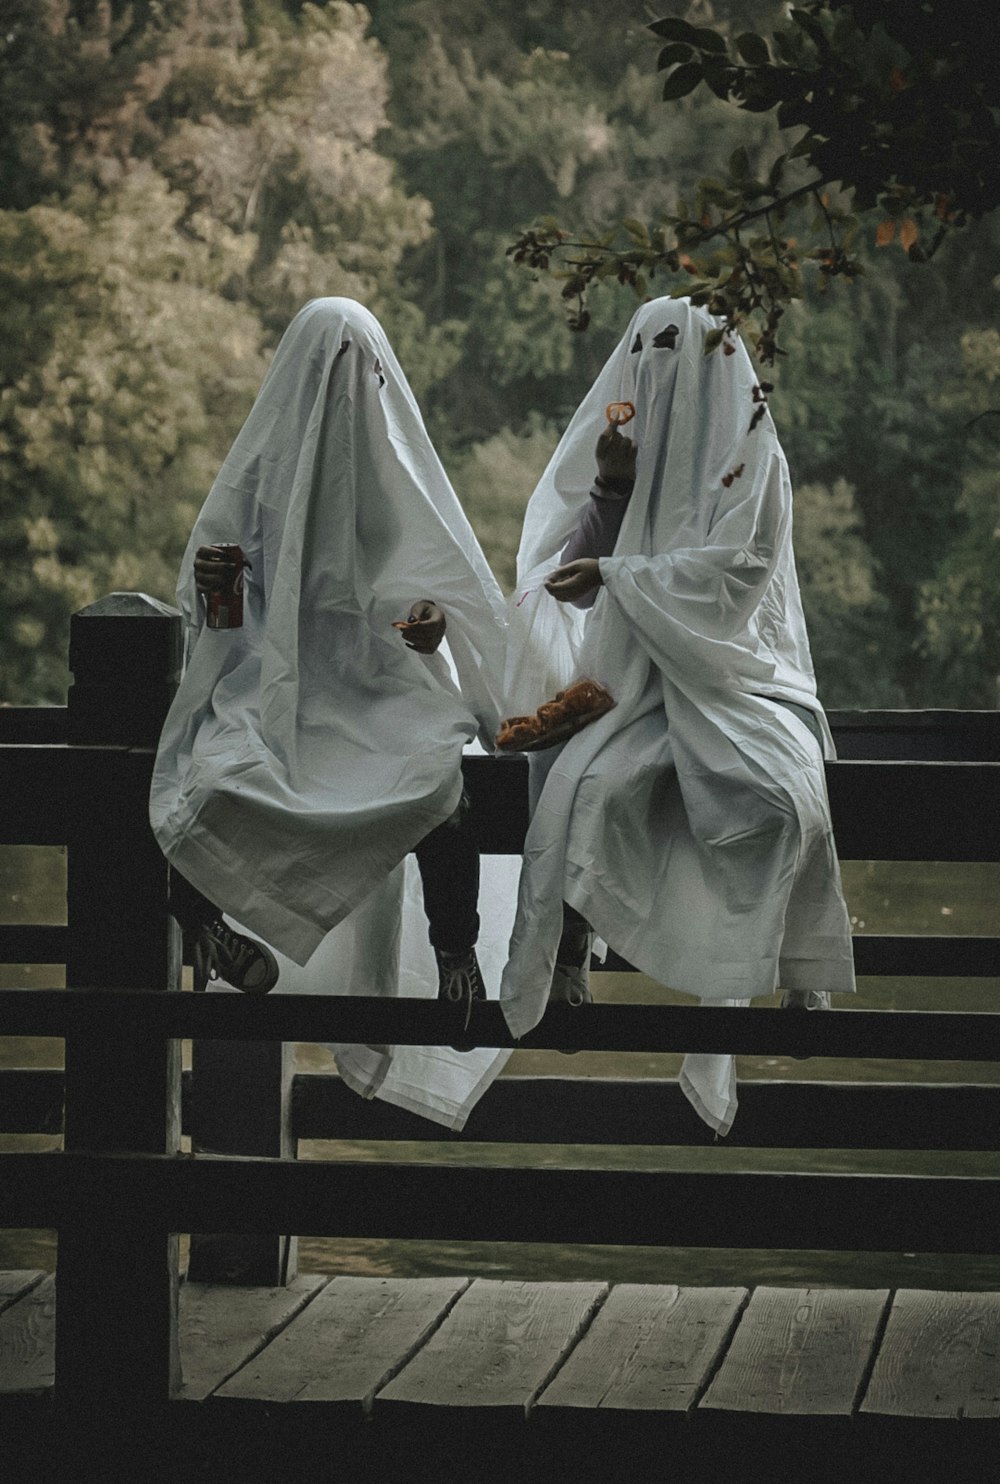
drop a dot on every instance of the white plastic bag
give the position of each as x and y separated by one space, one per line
544 639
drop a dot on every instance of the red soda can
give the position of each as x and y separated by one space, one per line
225 607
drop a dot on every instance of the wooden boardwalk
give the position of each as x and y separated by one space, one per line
557 1375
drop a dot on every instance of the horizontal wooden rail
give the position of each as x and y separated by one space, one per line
935 811
428 1202
627 1111
937 955
48 789
607 1110
912 736
927 1035
33 943
928 735
33 724
926 955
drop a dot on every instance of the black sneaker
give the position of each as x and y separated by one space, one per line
222 953
460 982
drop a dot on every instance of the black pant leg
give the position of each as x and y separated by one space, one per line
448 859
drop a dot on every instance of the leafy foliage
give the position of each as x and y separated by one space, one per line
899 107
172 195
179 175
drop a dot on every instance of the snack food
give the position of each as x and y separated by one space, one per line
557 720
619 413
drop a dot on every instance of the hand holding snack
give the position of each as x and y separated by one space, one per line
615 454
424 626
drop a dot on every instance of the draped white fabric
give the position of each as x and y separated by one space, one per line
307 752
690 825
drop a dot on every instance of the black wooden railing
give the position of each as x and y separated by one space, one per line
909 786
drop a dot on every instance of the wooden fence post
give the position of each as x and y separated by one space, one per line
241 1095
116 1321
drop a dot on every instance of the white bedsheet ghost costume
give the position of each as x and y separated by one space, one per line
307 752
690 825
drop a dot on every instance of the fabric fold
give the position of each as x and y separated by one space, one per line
690 825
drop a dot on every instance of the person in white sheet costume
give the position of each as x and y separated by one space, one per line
309 751
690 825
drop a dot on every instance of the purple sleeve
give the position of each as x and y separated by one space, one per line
597 529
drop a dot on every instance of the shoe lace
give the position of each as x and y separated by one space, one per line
460 981
220 943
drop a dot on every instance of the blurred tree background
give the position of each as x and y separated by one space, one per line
178 176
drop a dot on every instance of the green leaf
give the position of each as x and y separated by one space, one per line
753 49
709 41
788 45
682 81
811 26
635 228
677 51
719 76
674 29
713 340
801 147
739 164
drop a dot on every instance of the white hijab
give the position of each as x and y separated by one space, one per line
309 751
690 825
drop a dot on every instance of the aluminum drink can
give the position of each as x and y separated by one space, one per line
225 607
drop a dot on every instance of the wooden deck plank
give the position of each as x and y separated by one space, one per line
348 1342
222 1327
17 1282
27 1342
799 1352
651 1348
940 1357
498 1347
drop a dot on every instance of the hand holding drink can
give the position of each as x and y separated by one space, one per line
219 577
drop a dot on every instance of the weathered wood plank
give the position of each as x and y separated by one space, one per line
347 1343
17 1282
650 1348
799 1352
222 1329
27 1342
889 1034
497 1348
939 1357
431 1202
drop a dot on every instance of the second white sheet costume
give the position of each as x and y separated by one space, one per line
307 752
690 825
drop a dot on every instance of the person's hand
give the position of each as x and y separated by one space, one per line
615 457
574 580
424 627
212 572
